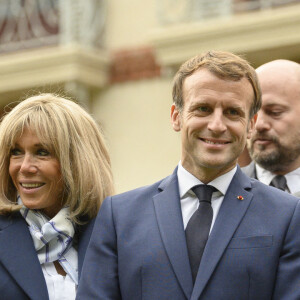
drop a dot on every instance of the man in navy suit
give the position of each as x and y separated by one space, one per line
275 143
140 247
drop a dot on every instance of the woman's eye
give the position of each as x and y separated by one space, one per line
15 151
43 152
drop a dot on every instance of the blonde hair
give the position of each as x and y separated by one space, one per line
224 65
77 142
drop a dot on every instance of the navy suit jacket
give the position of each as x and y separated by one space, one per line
138 247
21 275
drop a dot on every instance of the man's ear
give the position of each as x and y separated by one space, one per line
251 126
175 118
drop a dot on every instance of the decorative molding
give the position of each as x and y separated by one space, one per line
27 24
55 65
133 64
184 11
261 36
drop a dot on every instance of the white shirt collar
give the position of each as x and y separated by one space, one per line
186 181
264 175
292 178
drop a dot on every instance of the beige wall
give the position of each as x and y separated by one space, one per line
136 114
136 121
129 21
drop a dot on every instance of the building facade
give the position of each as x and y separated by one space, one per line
118 57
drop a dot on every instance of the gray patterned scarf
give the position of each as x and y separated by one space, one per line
52 238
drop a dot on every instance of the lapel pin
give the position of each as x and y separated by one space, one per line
240 197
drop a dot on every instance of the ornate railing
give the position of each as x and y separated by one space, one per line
184 11
37 23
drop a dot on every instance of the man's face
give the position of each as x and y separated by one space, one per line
214 123
275 143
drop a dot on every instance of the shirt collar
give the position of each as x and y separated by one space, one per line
186 181
264 175
292 178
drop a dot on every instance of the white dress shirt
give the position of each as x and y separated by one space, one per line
61 287
292 178
188 200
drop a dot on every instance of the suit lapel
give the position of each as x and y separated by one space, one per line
19 257
230 215
169 218
84 234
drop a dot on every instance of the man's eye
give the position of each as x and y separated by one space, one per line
275 113
233 112
15 151
203 109
43 152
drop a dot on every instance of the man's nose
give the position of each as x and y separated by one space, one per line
262 123
217 122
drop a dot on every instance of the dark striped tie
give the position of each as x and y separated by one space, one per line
198 227
279 181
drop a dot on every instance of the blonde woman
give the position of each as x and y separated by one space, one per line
54 174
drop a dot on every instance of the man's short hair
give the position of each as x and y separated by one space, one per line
224 65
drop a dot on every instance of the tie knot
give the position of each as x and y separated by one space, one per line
204 192
279 181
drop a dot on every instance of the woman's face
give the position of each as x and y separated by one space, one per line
36 174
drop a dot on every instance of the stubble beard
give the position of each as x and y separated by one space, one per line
278 159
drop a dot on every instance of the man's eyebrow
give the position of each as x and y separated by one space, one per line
270 105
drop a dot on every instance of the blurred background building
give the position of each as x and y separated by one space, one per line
118 58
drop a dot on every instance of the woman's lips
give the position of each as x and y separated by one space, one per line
31 186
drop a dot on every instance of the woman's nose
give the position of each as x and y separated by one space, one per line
28 164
